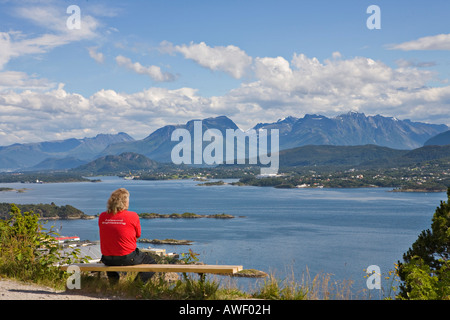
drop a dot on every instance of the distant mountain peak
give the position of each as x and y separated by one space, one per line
287 119
121 135
352 114
217 121
353 128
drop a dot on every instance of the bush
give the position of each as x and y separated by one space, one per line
28 252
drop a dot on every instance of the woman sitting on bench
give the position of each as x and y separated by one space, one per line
119 230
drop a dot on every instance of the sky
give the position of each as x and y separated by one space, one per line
77 68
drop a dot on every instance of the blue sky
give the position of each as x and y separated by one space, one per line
135 66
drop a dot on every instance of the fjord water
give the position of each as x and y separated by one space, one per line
280 231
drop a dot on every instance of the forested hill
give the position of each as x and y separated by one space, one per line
114 164
363 156
49 211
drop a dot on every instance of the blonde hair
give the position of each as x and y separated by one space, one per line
118 201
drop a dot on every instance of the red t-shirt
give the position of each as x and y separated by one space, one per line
118 232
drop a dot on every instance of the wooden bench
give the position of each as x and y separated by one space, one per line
201 269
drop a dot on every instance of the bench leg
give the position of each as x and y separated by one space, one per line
202 283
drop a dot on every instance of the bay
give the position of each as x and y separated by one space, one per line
281 231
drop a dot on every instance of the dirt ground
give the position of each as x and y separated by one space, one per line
15 290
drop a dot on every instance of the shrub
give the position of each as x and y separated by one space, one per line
29 252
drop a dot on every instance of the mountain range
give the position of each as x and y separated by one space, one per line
158 145
351 129
58 154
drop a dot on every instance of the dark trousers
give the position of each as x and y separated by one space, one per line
135 257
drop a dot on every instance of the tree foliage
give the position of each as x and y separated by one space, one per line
28 251
44 210
425 271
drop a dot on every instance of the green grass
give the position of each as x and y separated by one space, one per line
192 287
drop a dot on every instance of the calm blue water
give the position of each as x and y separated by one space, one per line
283 231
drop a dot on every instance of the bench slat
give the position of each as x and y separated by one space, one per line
215 269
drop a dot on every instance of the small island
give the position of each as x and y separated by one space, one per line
213 183
165 241
53 212
6 189
186 215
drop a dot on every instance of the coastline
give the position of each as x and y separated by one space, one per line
220 182
186 215
85 217
417 190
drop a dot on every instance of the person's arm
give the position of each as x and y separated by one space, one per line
138 227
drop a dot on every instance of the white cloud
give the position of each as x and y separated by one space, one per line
229 59
306 85
97 56
153 71
55 20
274 72
30 116
437 42
14 43
21 80
338 79
337 55
37 115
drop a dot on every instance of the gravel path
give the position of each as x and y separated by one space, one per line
15 290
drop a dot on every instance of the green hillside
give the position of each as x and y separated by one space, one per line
441 139
328 155
51 211
363 156
125 162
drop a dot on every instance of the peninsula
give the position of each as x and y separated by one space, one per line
46 211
